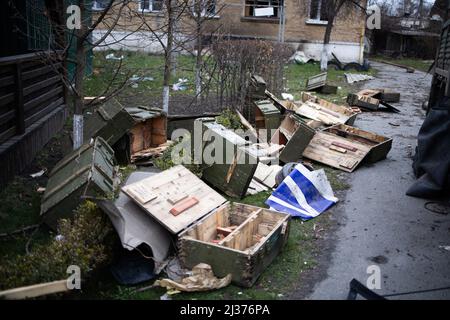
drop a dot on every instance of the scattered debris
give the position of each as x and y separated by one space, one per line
40 190
345 147
136 78
135 133
88 172
295 135
135 228
287 96
303 193
316 82
321 110
38 174
372 99
181 85
299 57
338 65
111 56
265 174
352 77
202 279
36 290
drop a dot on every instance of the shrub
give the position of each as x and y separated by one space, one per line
229 119
83 240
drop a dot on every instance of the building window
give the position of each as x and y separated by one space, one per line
318 10
100 4
150 5
262 8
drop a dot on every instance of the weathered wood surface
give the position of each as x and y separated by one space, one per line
345 147
36 290
295 136
158 189
246 251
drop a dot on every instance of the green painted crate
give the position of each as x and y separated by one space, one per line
86 172
234 174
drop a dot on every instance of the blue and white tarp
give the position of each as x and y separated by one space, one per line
303 193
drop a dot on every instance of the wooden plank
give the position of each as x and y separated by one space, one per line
183 206
6 81
40 113
40 85
42 98
20 112
27 75
36 290
6 99
319 150
4 118
174 181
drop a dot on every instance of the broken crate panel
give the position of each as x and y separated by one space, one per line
345 147
148 136
110 121
233 172
233 238
371 99
127 130
344 115
88 171
316 81
295 135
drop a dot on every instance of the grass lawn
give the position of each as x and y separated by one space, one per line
419 64
20 201
296 76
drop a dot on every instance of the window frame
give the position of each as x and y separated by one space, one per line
150 4
259 18
96 7
318 20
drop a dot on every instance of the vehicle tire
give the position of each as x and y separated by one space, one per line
353 65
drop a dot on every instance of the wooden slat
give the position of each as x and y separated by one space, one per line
40 71
20 112
6 99
6 81
36 101
36 116
40 85
4 118
35 290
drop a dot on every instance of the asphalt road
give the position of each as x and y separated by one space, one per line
378 224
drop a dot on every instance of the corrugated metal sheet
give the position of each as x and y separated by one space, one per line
354 77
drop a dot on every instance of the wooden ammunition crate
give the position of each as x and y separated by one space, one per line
233 172
267 116
345 147
339 113
255 235
128 130
295 135
88 171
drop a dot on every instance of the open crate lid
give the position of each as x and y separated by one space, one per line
158 194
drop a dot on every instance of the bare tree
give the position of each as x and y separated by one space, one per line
80 40
329 10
